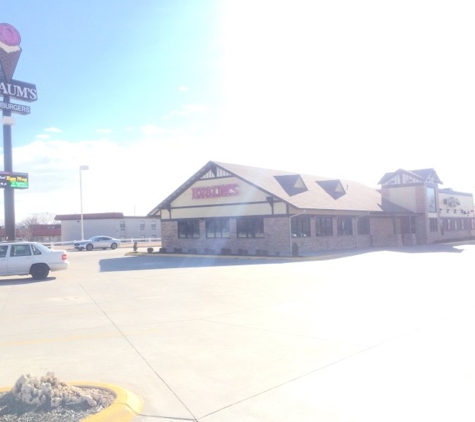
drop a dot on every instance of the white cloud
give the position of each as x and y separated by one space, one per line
188 109
195 108
104 131
131 178
53 129
182 88
152 130
42 136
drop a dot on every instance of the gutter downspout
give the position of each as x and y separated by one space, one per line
290 229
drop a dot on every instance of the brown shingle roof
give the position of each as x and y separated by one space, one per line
320 192
357 196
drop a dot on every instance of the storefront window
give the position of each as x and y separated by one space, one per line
300 226
345 226
448 225
431 206
324 226
250 227
189 229
218 227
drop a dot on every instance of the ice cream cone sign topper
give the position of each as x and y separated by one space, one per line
9 50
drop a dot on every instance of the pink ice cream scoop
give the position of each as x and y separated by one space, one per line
10 50
9 35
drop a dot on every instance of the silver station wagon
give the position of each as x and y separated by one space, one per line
30 258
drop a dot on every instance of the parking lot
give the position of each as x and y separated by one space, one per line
380 336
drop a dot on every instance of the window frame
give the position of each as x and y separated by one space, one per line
345 229
300 226
431 199
250 227
217 228
26 248
35 250
448 225
3 251
189 228
323 226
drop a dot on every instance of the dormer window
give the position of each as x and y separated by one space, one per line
334 188
292 184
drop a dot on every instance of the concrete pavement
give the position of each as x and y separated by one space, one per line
382 336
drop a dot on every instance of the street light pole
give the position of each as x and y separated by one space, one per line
81 168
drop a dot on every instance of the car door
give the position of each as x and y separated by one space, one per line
20 259
102 242
4 260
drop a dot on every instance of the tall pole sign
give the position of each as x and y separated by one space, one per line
10 51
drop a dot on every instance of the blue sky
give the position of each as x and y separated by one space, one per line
145 92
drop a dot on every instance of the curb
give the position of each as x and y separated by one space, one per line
124 408
323 256
298 258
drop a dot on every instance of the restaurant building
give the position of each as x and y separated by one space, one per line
234 209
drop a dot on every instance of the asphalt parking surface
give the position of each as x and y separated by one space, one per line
378 336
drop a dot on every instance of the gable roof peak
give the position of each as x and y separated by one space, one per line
423 175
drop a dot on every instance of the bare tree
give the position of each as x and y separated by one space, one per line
25 227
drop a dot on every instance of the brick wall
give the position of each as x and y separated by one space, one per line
275 242
277 239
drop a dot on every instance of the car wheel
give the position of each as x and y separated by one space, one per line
89 247
114 246
39 271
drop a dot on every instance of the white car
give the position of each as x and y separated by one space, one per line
23 258
97 242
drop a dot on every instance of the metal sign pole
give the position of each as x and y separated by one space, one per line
8 193
10 48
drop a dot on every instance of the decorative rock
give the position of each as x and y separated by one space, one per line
49 391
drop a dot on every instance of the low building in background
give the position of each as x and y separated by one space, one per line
42 233
112 224
234 209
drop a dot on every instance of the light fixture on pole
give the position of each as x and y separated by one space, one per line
81 168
